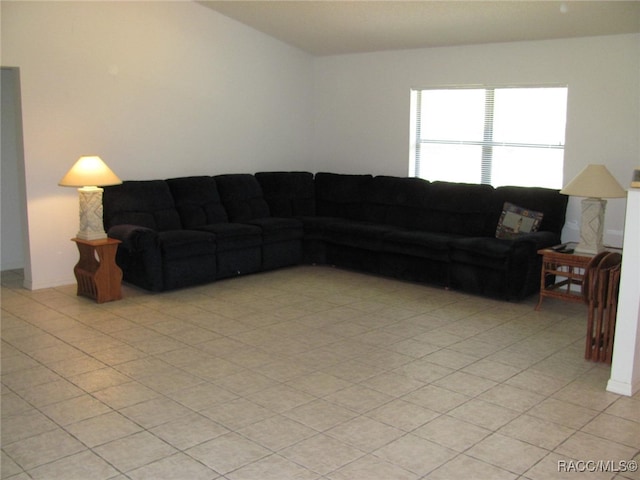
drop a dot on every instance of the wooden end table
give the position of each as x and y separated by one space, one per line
97 273
568 269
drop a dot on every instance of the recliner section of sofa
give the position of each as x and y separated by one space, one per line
505 268
293 195
244 201
238 245
156 253
436 232
347 238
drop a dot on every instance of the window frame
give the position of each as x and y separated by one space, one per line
487 143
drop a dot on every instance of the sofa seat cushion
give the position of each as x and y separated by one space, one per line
356 234
234 236
315 226
420 244
276 229
493 253
178 244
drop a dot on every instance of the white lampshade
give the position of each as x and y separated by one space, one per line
89 171
594 181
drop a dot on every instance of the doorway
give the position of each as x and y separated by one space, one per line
13 228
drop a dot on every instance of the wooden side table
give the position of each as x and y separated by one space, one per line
96 272
569 268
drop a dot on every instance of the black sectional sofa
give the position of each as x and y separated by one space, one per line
187 231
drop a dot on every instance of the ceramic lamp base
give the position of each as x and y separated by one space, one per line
91 226
592 226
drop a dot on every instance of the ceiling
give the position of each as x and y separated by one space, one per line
323 27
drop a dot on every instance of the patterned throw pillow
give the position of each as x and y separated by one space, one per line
516 221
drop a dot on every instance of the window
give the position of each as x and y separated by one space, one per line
497 135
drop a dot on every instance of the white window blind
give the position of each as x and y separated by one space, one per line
494 135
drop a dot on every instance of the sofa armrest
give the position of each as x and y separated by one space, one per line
538 239
134 238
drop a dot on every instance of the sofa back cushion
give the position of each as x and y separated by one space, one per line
340 195
242 197
551 203
147 203
197 201
461 208
399 201
288 194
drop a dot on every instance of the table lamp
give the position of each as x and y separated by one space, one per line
89 173
595 183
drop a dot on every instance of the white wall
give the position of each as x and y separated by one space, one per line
362 104
157 89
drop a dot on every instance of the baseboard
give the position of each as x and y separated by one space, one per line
49 283
622 388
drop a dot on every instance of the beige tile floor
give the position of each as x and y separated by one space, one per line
304 373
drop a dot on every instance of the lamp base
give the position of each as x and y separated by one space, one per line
82 235
592 226
91 226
